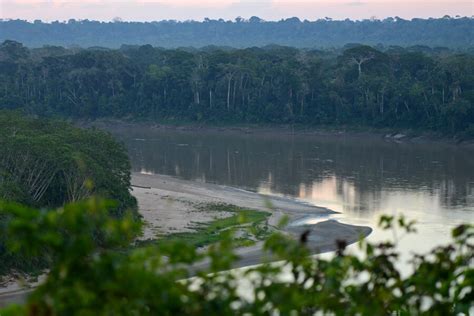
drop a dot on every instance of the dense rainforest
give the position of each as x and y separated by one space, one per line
409 88
451 32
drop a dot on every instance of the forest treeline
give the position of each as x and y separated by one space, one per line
359 85
447 31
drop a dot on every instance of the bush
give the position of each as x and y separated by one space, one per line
45 163
89 278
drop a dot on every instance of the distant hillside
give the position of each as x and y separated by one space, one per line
449 32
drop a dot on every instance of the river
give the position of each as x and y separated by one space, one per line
359 177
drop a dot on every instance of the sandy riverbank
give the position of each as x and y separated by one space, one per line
167 205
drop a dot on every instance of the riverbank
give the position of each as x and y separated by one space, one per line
385 134
167 205
170 205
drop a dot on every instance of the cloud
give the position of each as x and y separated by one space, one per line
152 10
356 3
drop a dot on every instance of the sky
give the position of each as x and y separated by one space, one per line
153 10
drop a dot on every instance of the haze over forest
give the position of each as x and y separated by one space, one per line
456 33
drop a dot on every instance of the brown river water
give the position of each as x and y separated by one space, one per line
359 177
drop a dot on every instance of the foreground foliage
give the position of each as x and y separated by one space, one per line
418 88
88 278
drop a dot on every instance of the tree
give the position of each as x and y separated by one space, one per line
360 55
88 277
359 85
52 163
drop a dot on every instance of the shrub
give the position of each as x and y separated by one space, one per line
89 278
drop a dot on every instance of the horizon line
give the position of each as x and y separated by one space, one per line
244 19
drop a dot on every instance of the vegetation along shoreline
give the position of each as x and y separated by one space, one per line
355 86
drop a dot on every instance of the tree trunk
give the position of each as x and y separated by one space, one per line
382 103
196 97
228 93
406 105
302 105
210 98
233 94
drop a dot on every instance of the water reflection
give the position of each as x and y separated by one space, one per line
355 170
361 178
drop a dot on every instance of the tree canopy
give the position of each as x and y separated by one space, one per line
359 85
47 163
450 32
